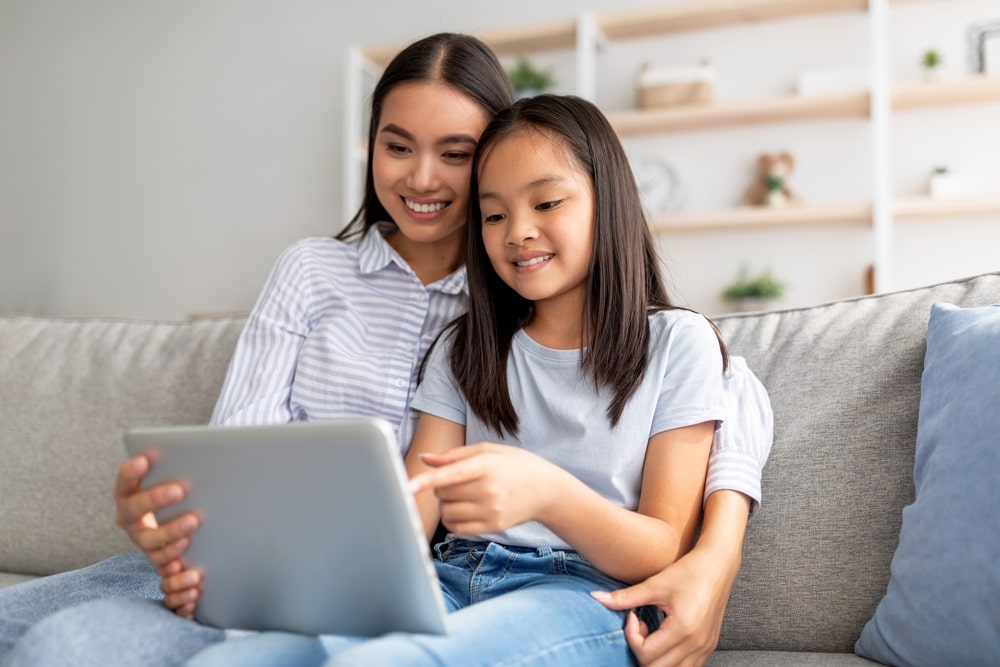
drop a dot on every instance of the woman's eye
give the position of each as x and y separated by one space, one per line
493 219
545 206
396 148
456 155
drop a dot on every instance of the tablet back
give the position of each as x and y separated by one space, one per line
306 527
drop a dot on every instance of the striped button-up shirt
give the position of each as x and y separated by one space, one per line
338 331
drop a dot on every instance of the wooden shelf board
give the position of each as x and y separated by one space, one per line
756 218
970 90
746 217
844 105
967 205
713 14
503 41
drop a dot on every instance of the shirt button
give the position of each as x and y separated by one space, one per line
400 382
408 347
422 297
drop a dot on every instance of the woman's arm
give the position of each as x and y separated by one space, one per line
258 383
693 592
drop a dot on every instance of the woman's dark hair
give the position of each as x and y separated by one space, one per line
624 282
462 61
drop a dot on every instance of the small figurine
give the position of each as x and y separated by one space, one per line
771 187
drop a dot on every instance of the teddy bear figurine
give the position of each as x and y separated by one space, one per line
770 188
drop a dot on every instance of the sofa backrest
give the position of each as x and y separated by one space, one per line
844 381
68 391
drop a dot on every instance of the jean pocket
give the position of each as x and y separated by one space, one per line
457 549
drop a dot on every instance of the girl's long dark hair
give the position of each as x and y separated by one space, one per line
624 282
462 61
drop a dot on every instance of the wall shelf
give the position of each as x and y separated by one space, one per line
779 109
746 217
960 206
557 35
971 90
713 14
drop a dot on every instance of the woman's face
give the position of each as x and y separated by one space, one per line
422 158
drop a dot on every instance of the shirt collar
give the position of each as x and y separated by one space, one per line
375 254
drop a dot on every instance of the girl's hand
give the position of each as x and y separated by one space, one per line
487 488
134 508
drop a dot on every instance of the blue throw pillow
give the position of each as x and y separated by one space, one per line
942 605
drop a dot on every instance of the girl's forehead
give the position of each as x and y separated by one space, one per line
532 144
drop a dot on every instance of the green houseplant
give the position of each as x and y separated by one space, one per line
753 293
931 62
526 79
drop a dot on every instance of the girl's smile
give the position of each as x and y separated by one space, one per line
531 261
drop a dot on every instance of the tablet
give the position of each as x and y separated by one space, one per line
308 527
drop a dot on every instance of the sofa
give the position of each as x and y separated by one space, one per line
844 380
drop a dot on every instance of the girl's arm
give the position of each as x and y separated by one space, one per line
631 546
433 435
487 488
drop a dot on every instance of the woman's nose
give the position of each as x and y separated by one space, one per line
423 177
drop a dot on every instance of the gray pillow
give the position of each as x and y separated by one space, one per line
940 607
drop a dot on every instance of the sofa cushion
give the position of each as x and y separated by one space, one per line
941 603
844 381
68 390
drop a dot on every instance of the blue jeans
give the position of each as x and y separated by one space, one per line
103 615
508 606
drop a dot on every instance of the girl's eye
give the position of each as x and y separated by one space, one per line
456 155
545 206
396 148
493 219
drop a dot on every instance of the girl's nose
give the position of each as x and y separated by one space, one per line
520 229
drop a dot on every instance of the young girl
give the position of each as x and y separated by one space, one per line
566 419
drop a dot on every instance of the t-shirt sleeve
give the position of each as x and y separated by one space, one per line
691 391
438 393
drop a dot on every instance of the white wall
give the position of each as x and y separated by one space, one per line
156 156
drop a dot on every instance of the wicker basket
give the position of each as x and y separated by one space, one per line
658 87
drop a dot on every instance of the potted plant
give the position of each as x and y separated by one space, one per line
943 183
756 293
931 62
527 80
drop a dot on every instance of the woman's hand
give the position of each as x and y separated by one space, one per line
487 488
692 592
163 545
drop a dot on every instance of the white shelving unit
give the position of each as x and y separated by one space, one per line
588 33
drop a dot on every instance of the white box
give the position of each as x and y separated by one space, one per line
831 81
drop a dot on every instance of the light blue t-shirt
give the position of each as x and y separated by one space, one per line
563 418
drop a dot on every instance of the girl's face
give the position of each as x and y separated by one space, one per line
537 207
427 133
